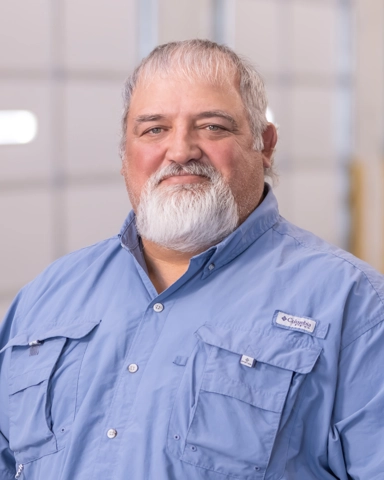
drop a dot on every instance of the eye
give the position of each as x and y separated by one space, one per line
214 128
154 130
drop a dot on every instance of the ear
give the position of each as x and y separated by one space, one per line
270 140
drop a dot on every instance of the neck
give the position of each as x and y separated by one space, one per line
165 266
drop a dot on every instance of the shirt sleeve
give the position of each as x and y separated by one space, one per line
356 440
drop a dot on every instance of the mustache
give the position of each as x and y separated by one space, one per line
191 168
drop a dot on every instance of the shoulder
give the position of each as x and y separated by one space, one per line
337 277
309 245
76 262
63 277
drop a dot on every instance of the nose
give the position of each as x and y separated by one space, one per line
183 147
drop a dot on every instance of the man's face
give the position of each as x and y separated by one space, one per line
174 121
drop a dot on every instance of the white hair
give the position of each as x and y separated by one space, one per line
186 217
212 62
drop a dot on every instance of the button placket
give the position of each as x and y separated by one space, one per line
127 389
133 368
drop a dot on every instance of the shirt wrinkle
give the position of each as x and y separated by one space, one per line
364 330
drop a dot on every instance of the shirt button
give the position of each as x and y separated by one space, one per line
158 307
211 266
111 433
133 368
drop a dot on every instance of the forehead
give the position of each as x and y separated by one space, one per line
181 94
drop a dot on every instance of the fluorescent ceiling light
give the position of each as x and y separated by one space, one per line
17 127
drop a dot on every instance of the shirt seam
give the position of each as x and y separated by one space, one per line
239 249
21 307
25 299
310 247
198 399
300 401
376 319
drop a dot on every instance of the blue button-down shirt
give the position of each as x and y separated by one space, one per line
263 361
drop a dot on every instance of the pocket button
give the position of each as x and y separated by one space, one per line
111 433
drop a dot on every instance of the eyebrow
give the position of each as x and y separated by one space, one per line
148 118
220 114
207 114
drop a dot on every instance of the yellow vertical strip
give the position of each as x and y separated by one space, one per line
357 245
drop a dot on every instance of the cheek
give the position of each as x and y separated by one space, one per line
233 163
224 158
143 160
139 164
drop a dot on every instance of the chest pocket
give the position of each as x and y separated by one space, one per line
226 415
44 371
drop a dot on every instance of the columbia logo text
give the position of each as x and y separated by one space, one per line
294 322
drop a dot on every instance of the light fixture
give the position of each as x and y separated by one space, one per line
17 127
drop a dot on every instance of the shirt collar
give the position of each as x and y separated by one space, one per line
258 222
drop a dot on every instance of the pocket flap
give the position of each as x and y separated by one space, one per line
73 331
273 348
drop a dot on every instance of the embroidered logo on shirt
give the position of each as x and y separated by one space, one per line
296 323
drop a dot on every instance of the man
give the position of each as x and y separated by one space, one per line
211 339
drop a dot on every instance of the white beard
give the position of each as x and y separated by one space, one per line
186 217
